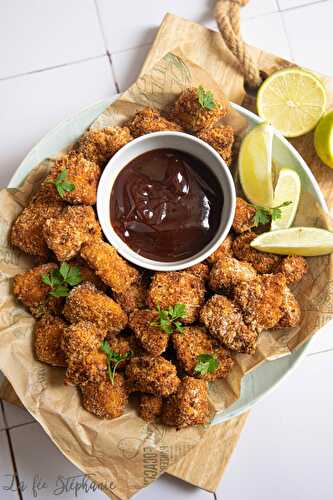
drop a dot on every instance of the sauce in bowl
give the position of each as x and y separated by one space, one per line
166 205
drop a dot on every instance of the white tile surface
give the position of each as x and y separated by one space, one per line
16 415
43 33
6 471
127 65
290 4
323 340
33 104
257 8
172 488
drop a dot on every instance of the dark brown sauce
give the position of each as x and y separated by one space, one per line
166 205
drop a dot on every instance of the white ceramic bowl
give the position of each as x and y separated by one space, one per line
182 142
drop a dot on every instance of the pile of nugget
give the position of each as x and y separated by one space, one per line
120 331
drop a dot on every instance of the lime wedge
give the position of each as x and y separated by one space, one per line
292 100
287 189
307 241
255 165
323 139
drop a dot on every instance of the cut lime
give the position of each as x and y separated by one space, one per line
292 100
307 241
287 189
255 165
323 139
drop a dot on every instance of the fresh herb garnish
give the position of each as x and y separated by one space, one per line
114 358
61 184
206 363
168 318
206 98
265 215
62 279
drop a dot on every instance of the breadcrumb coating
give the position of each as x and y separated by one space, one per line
294 267
189 406
154 375
149 120
221 139
150 407
99 145
86 303
200 270
82 337
290 310
224 249
244 216
121 345
264 263
66 233
153 339
88 274
135 296
47 340
228 272
104 399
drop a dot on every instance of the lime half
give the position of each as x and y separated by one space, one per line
287 189
323 139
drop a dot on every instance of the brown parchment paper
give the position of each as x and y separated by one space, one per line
126 454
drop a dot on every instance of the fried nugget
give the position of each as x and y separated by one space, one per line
171 288
82 173
150 407
27 230
47 340
156 376
66 233
264 263
121 345
225 322
109 266
194 341
200 270
149 120
152 338
244 216
260 300
228 272
135 296
88 274
99 145
221 139
105 399
294 267
224 249
29 289
290 310
86 303
191 115
189 406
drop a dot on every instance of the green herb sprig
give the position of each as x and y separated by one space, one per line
62 279
206 363
206 98
168 318
62 185
265 215
114 358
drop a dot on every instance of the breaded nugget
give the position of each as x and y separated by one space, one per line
224 249
86 303
109 266
82 337
171 288
225 322
99 145
88 274
105 399
29 289
121 345
200 270
192 342
153 339
191 115
260 300
66 233
150 407
84 174
156 376
149 120
294 267
244 216
135 296
290 310
264 263
47 340
228 272
221 139
189 406
27 230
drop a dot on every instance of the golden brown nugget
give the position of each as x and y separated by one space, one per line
224 249
150 407
294 267
225 322
193 342
260 300
29 289
244 216
189 406
135 296
105 399
290 310
86 303
82 173
191 115
221 139
149 120
84 367
66 233
82 337
154 375
27 230
47 340
228 272
264 263
171 288
201 270
88 274
121 345
109 266
99 145
152 338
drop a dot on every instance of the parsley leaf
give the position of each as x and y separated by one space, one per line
206 363
61 184
265 215
206 98
167 318
62 279
114 358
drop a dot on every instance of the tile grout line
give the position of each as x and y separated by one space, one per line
286 35
11 451
289 9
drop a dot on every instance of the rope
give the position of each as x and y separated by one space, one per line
227 15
